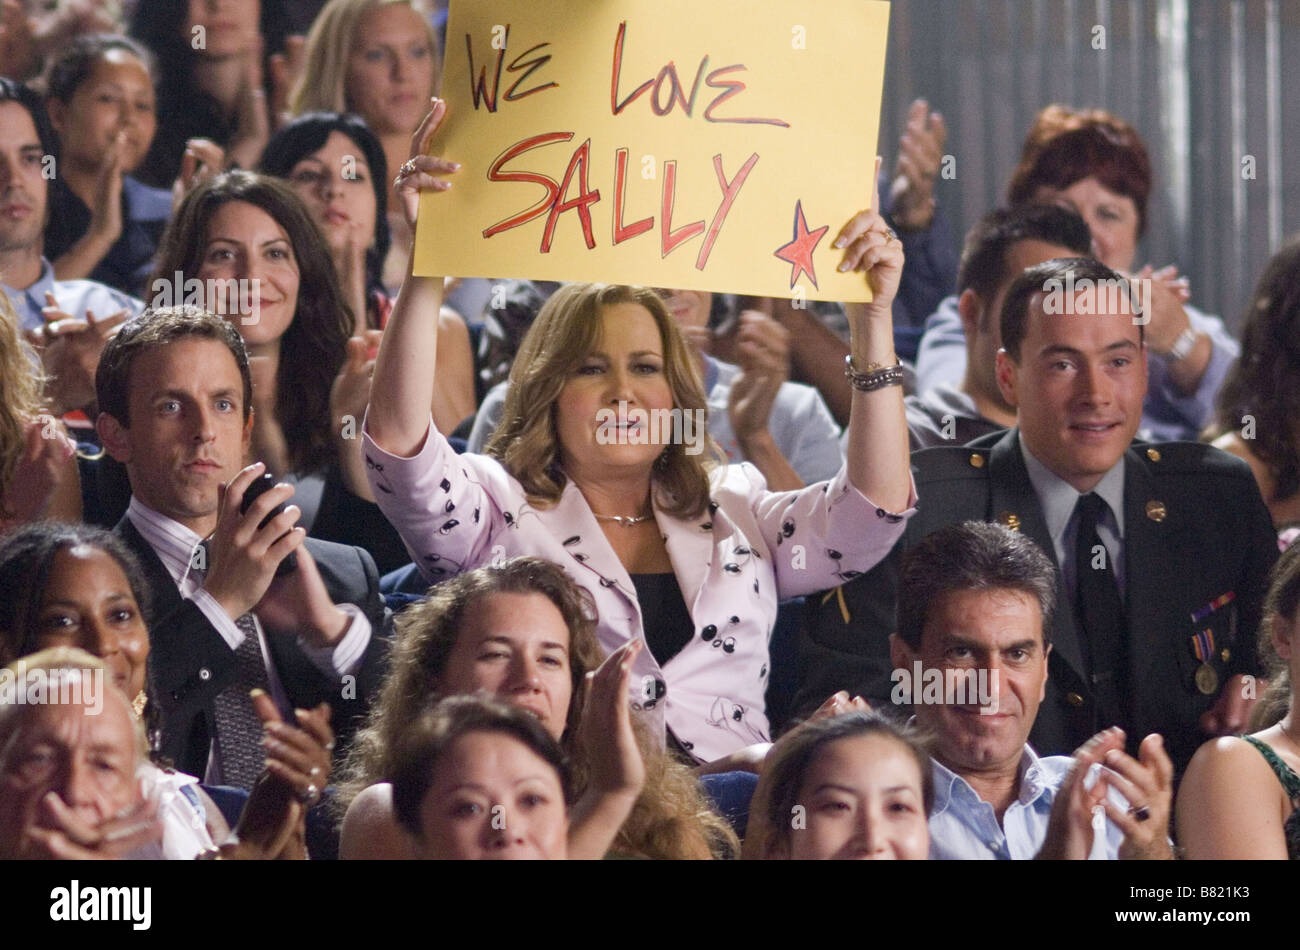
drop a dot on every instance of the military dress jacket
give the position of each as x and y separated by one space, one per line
1198 547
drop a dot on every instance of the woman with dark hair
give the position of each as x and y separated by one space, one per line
34 614
244 246
1240 797
76 586
476 778
521 630
238 228
480 779
849 786
1095 163
380 60
210 80
336 165
103 223
1259 404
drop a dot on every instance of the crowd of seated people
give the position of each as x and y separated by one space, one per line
335 569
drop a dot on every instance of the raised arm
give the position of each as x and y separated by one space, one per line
403 388
878 447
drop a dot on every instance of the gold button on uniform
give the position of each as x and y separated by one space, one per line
1010 520
1153 455
1074 699
1226 654
1156 510
976 460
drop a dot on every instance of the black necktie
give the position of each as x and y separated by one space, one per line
1101 615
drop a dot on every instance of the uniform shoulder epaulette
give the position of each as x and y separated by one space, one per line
950 462
1191 458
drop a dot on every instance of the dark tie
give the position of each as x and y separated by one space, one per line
239 730
1101 615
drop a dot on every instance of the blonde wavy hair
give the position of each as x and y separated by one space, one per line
322 87
671 818
564 334
21 386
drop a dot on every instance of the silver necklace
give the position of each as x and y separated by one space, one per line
624 521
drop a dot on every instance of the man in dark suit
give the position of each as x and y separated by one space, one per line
1160 597
174 393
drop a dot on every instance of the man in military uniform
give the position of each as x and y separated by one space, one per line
1162 551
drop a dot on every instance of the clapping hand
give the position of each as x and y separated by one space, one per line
617 771
1146 784
272 825
253 124
285 69
69 350
762 350
202 159
41 469
920 153
606 728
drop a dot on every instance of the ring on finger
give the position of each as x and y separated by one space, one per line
310 795
1140 812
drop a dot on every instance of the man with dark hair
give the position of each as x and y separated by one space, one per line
173 387
28 161
973 607
1163 550
958 347
997 249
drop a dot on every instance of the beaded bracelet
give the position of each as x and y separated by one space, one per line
876 376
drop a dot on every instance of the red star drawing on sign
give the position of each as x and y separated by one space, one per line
799 252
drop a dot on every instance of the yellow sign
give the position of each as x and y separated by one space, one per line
696 144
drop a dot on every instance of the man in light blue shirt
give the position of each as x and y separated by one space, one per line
27 157
27 163
971 655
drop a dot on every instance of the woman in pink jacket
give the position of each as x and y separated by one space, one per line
602 464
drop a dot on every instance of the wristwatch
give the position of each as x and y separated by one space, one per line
1184 345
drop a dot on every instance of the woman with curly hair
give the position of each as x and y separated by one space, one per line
524 632
1259 405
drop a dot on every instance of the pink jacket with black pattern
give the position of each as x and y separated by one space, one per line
753 548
